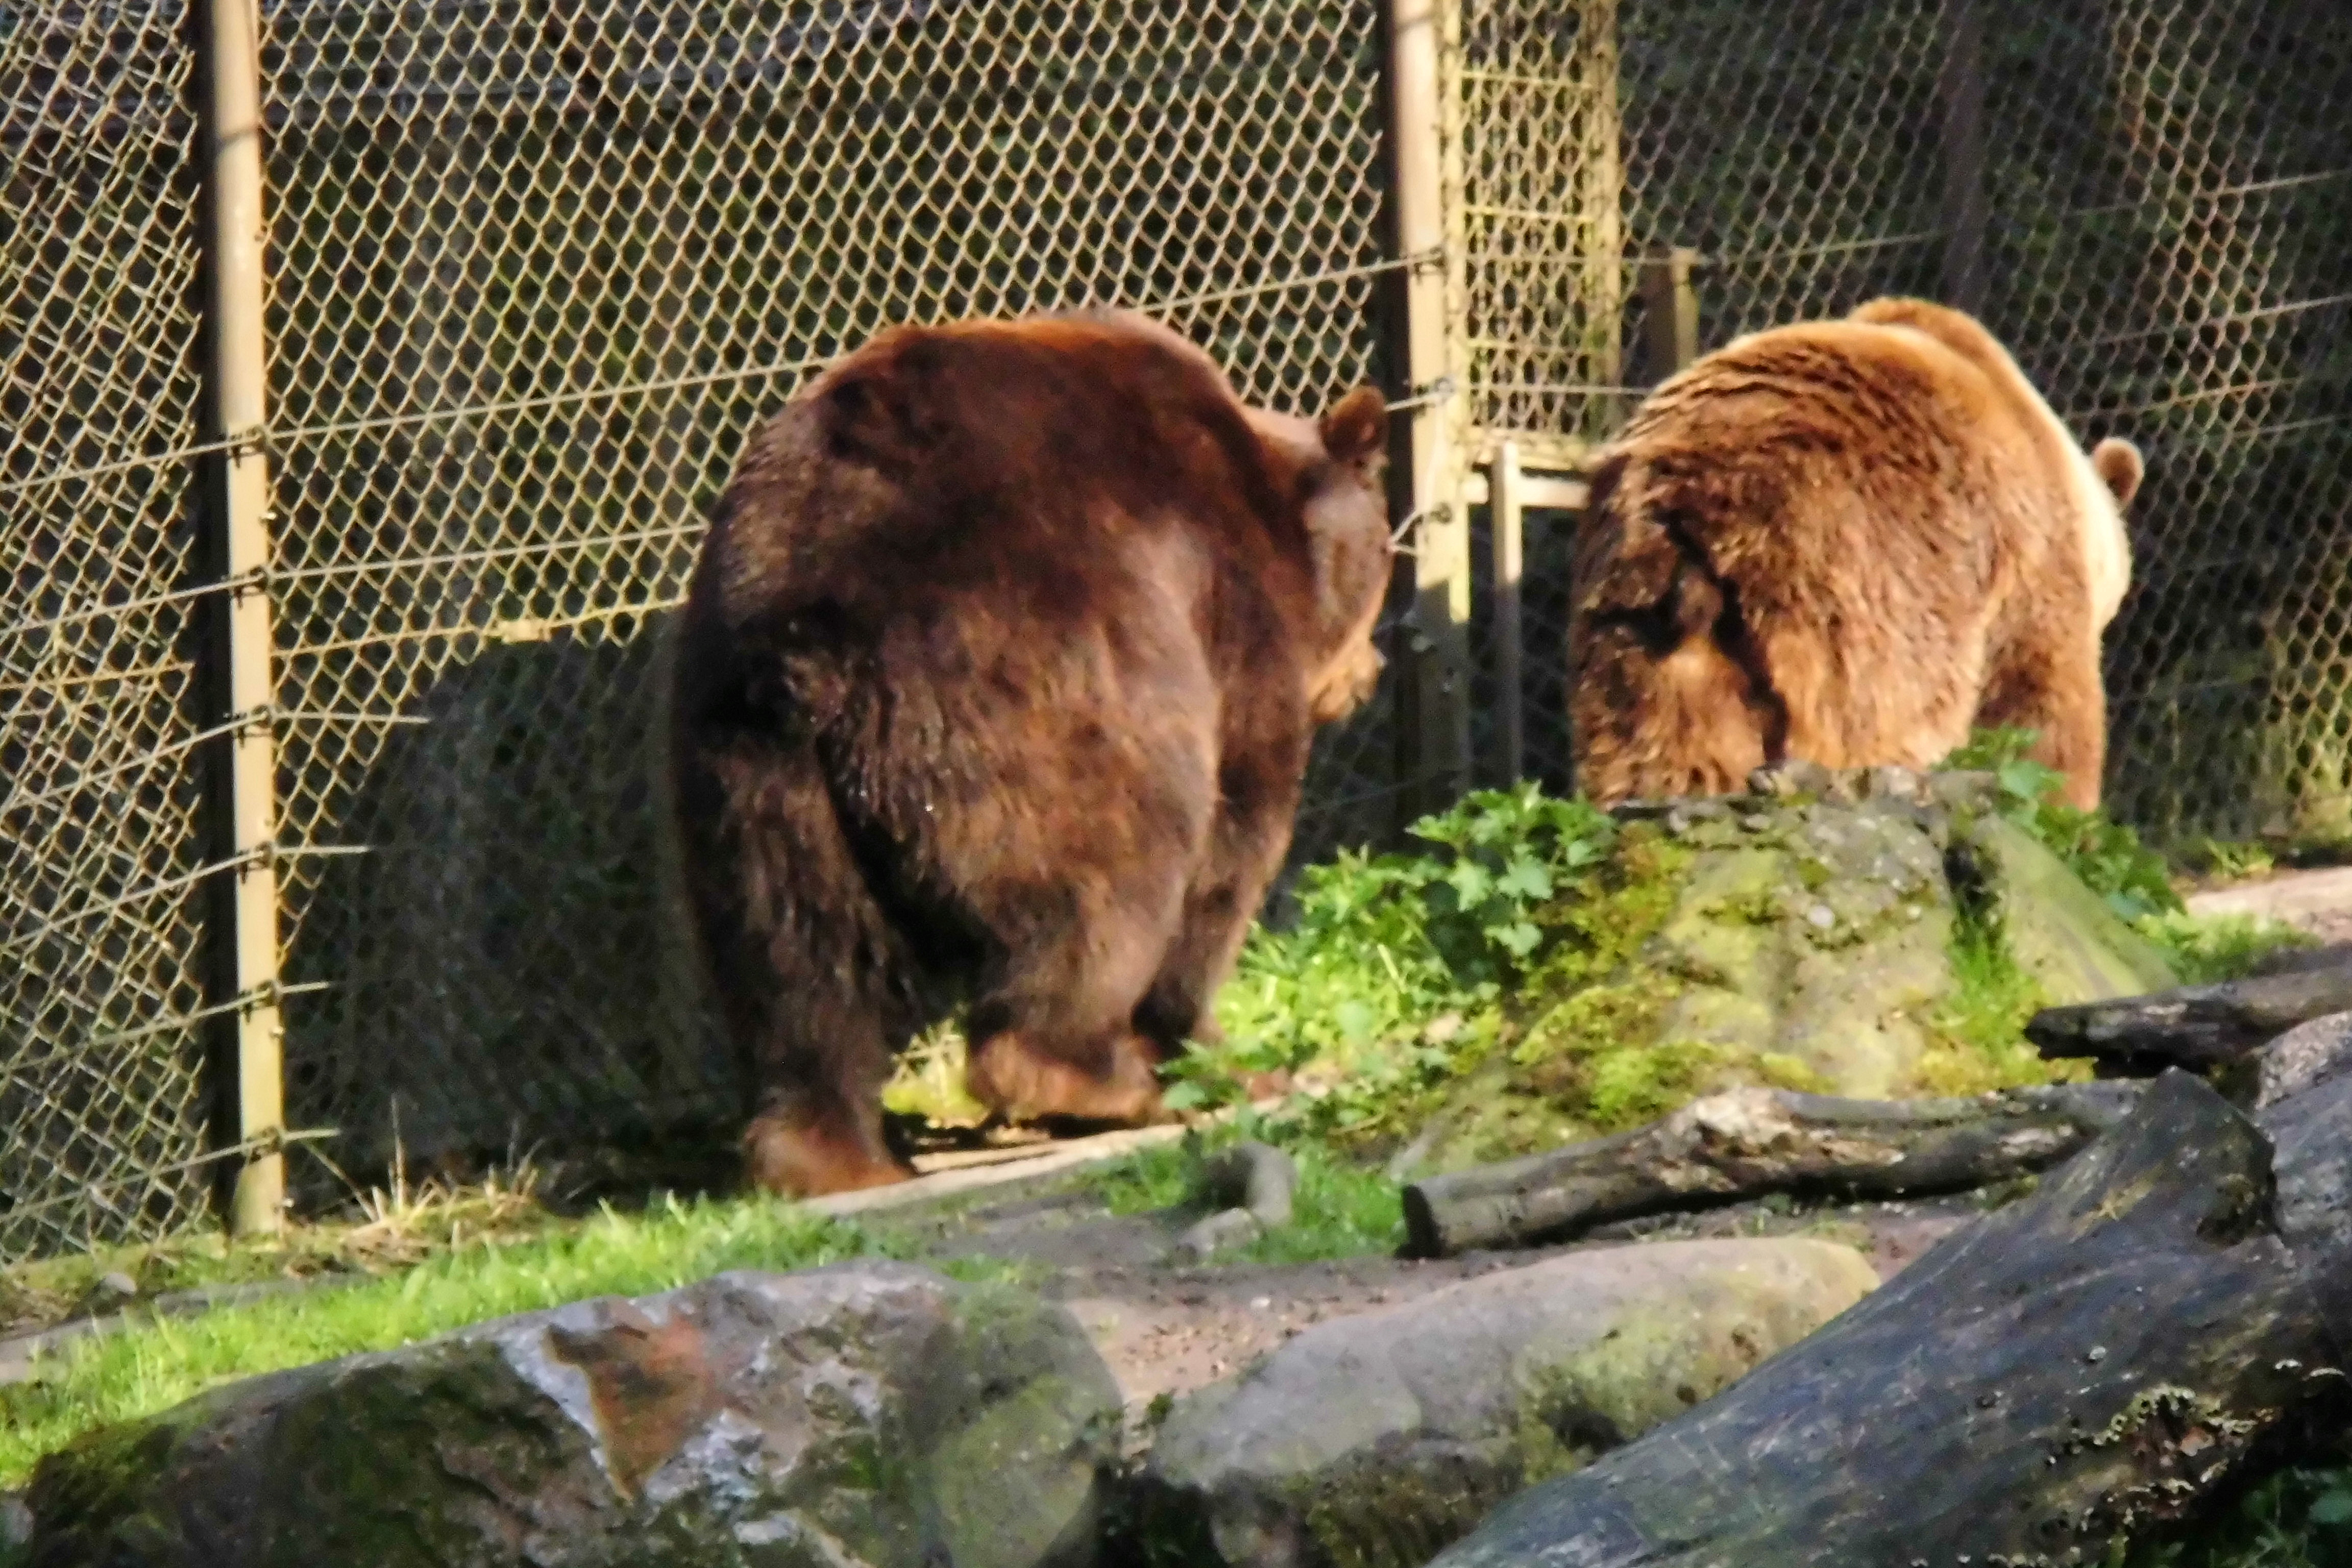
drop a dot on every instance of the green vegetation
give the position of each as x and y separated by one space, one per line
1501 961
1341 1209
2300 1518
2108 856
154 1367
384 1229
443 1259
1976 1033
1406 971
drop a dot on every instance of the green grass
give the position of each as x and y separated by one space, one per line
383 1229
2207 948
154 1367
1339 1210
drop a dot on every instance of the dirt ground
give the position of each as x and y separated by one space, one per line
1168 1328
2318 901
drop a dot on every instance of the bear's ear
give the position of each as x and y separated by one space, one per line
2117 463
1357 427
883 413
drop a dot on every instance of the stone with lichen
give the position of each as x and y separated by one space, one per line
1801 936
870 1413
1376 1440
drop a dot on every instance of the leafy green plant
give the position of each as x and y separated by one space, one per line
1393 974
2207 948
2108 856
2299 1518
2231 860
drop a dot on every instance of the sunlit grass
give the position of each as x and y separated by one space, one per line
152 1367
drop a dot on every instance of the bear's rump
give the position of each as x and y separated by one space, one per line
1085 756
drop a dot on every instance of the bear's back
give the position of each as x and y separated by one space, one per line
1032 462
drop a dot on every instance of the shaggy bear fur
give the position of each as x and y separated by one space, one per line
1847 542
995 683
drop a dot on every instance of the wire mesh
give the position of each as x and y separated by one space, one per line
2149 201
101 1097
482 205
534 277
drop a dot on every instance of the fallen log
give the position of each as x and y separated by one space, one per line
2096 1357
2196 1027
1748 1142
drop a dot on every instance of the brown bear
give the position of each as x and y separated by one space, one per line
1847 542
996 683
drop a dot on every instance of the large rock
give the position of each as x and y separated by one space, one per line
1814 933
1804 939
1376 1440
868 1414
2060 932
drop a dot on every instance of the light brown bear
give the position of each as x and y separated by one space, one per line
1847 542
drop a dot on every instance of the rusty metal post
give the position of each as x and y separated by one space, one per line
236 375
1425 142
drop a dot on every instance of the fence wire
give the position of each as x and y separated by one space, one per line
2149 201
536 271
102 1095
479 205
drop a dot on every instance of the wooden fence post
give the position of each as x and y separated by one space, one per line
243 776
1670 309
1425 142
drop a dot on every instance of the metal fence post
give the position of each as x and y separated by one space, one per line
1505 525
1670 309
1962 88
1425 142
242 802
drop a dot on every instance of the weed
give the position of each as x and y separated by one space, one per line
1393 980
2108 856
2207 948
1339 1209
1975 1034
2229 860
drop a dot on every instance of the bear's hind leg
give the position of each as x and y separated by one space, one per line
1055 1038
821 1131
1261 803
799 958
2059 696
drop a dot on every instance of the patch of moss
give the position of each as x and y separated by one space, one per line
1976 1035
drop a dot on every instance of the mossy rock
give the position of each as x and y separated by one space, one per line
2060 932
1805 941
1375 1441
862 1416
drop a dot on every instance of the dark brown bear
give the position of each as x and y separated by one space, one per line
996 683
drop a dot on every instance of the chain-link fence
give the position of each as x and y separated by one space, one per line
534 272
2149 201
102 1095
